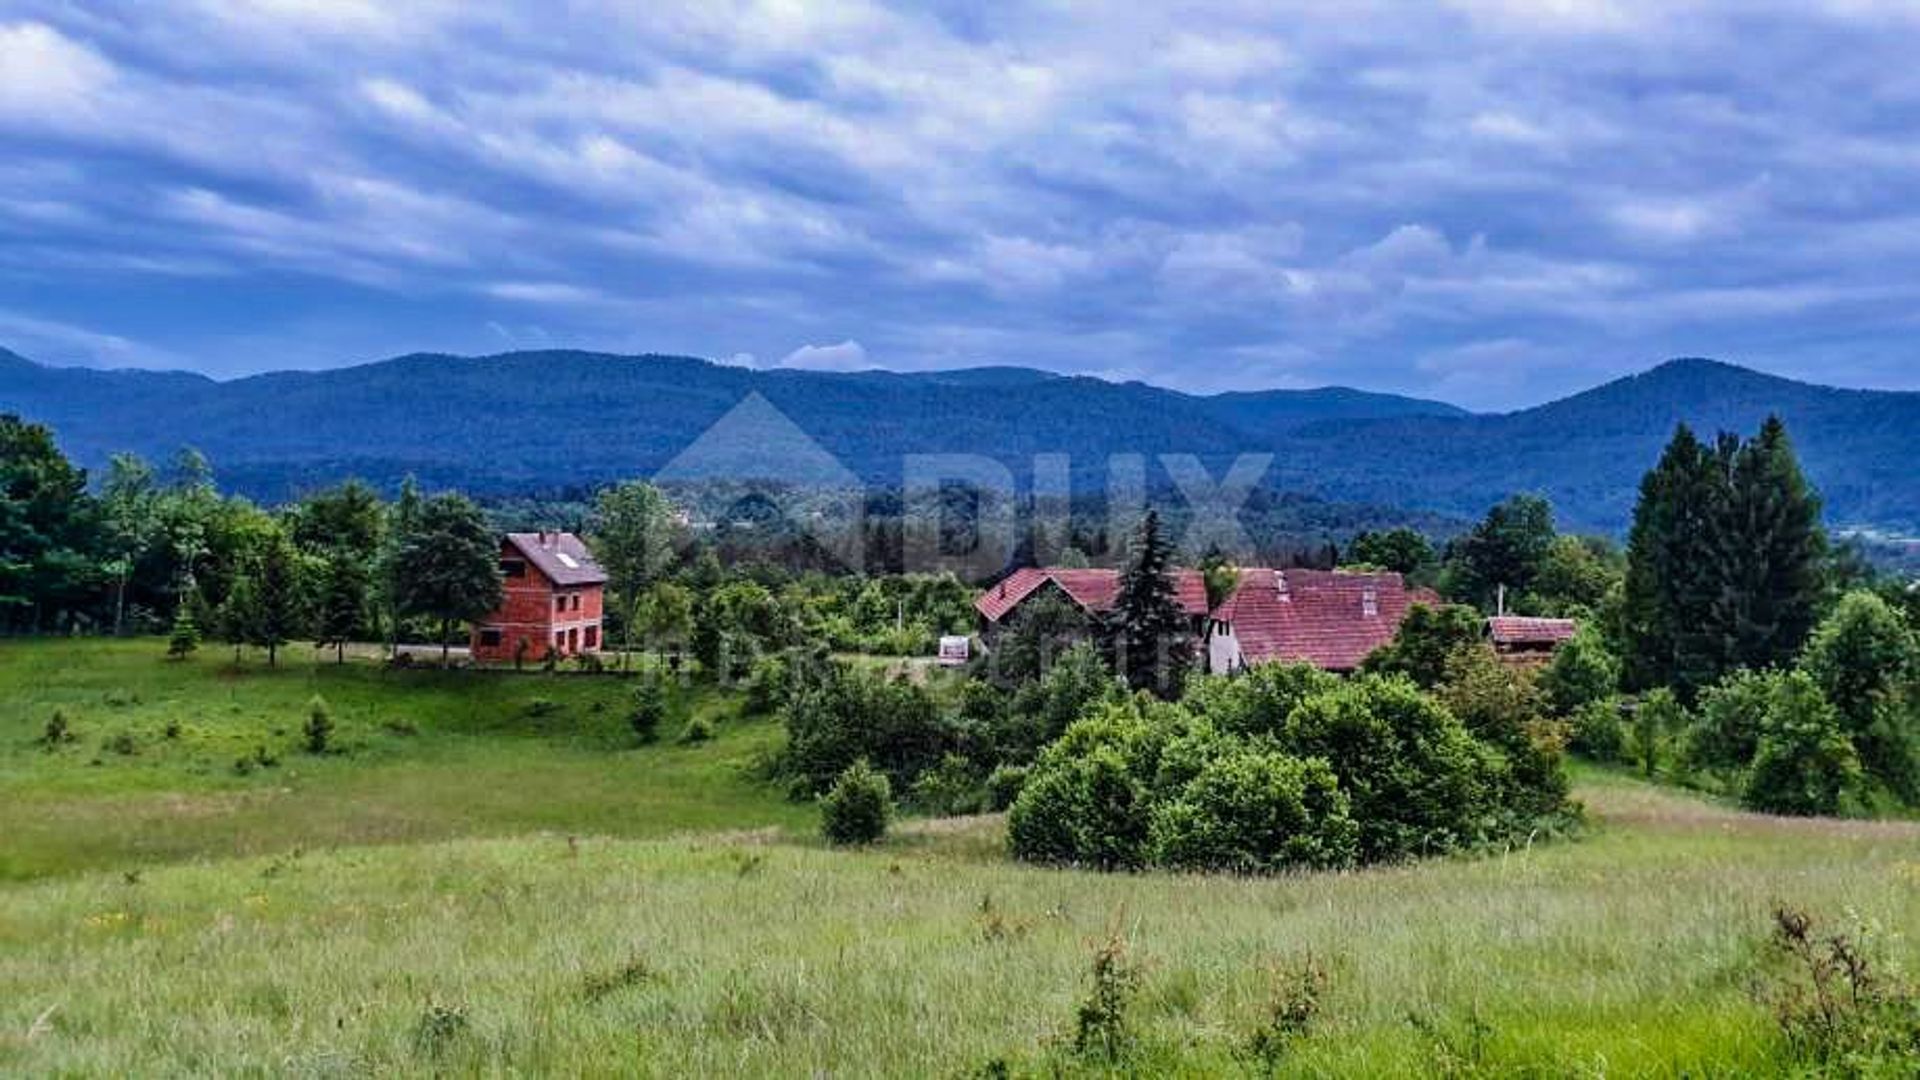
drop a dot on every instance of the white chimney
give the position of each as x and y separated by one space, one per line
1370 602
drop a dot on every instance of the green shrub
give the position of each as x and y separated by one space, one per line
1259 700
1657 717
1086 800
1418 782
122 743
1254 811
768 684
649 708
1426 638
1805 764
185 635
1725 731
1078 680
319 729
57 732
1502 707
1598 733
698 730
952 787
539 707
856 809
1100 1025
1581 672
839 715
1003 786
1866 661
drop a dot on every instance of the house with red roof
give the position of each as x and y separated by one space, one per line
555 594
1092 590
1327 618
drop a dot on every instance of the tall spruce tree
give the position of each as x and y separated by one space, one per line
1148 635
1722 562
278 595
1772 547
340 601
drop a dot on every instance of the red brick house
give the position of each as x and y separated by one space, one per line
555 593
1326 618
1092 590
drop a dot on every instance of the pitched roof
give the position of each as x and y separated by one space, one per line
1321 617
1093 590
561 556
1519 630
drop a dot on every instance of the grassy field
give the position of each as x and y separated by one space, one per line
424 756
710 934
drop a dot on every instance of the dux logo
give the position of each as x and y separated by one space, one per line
773 461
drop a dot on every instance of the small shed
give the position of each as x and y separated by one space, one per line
1528 641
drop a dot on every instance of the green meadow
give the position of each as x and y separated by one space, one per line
489 878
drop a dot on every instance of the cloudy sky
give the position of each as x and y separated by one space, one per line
1490 201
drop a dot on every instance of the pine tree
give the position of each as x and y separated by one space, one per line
1671 560
341 603
185 637
277 597
1723 563
235 616
1148 635
1773 548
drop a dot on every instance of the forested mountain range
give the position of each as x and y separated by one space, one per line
549 420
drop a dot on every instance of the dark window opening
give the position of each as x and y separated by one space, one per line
513 568
490 638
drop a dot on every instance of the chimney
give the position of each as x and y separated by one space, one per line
1370 602
1280 586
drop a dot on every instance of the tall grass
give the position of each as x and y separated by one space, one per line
516 919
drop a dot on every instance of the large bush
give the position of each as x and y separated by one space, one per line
1582 671
1417 780
1279 768
1252 810
1087 799
1426 638
1259 700
1725 731
837 715
1805 764
1501 707
1078 680
1864 657
857 807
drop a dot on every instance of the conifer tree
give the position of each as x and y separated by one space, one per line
341 602
1148 633
277 595
1723 562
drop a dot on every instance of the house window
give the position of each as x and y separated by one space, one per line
490 637
593 637
559 639
559 603
573 641
513 568
576 601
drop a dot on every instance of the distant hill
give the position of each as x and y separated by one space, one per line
549 420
